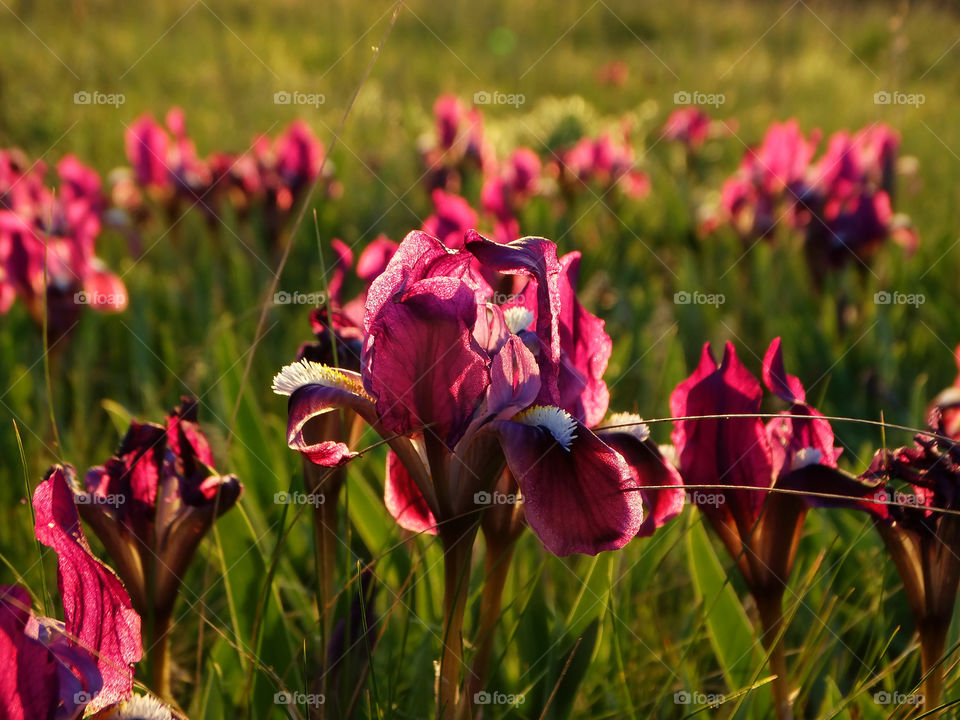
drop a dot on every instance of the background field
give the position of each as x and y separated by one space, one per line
194 304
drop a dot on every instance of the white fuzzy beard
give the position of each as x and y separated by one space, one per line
557 422
296 375
631 423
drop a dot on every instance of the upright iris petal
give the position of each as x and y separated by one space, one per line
586 349
722 451
421 362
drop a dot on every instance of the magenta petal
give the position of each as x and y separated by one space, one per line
514 379
578 500
375 258
404 500
133 473
106 291
146 144
97 609
421 363
722 451
307 403
586 347
184 435
650 468
29 688
775 377
419 256
535 258
491 330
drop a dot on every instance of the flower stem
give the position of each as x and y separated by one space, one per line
932 644
497 567
325 516
456 570
159 653
770 607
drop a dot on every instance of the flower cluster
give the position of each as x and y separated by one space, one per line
605 162
48 242
272 175
840 202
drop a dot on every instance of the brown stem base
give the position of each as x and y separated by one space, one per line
770 608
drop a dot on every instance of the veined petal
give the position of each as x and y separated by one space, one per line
582 498
97 609
421 362
419 256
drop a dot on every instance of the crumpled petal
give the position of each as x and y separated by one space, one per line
404 500
97 610
583 499
306 404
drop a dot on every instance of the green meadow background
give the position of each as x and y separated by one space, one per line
609 637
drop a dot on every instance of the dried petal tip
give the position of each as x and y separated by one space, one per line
557 422
306 372
630 423
517 318
806 456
